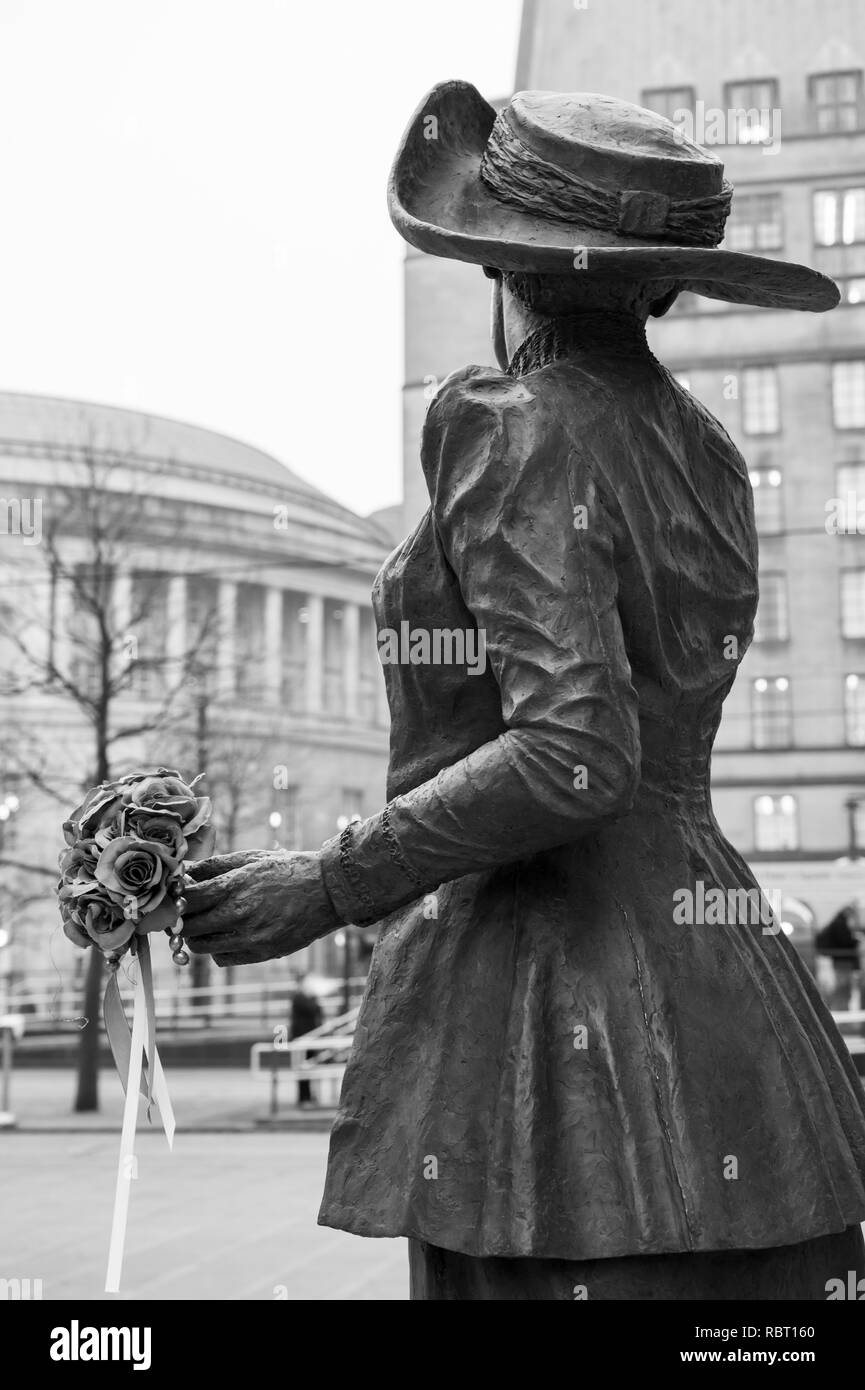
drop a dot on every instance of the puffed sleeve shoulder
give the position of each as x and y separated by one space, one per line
527 525
529 531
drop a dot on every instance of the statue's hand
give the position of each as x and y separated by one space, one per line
246 908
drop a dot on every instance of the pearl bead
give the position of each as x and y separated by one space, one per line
180 958
180 904
175 941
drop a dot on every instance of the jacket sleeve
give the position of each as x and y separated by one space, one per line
536 572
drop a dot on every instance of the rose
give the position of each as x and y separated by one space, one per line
98 812
72 925
161 827
78 863
165 790
88 913
92 918
135 874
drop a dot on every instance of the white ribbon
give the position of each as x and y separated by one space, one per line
126 1169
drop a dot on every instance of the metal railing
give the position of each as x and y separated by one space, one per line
234 1007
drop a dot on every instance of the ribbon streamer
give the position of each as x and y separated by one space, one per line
135 1052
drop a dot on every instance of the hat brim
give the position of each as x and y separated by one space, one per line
440 204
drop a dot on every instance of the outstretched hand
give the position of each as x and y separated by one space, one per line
256 906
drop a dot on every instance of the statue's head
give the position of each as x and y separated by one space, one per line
561 192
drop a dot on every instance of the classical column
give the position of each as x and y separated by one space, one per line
125 637
62 647
351 659
176 637
273 645
314 654
225 637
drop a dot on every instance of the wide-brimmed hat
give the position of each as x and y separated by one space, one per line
560 182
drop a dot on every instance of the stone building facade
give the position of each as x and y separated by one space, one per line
242 639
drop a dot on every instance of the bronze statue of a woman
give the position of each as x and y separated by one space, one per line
558 1087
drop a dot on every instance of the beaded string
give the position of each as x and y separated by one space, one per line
175 933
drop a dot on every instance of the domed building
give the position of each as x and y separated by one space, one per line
173 596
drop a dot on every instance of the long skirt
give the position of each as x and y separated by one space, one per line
790 1272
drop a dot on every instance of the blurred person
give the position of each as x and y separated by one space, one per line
839 943
306 1014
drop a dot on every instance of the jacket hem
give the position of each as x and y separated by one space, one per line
354 1224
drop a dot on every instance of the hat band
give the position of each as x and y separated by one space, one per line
515 174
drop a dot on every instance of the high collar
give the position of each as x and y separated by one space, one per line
600 331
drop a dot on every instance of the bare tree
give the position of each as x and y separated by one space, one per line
73 641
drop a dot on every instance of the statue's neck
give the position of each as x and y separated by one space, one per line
602 331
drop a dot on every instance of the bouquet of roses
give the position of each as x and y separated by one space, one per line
121 877
121 874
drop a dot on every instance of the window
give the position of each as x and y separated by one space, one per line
285 817
249 644
88 592
848 395
294 627
148 634
839 216
854 709
853 603
749 107
850 498
202 628
771 712
836 99
768 500
852 289
351 806
771 620
776 823
669 101
761 409
756 223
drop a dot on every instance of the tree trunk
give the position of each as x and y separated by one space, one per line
87 1090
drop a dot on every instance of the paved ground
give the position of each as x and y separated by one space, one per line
226 1216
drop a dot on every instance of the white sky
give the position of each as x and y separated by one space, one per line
193 210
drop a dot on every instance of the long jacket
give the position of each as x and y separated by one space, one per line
572 1044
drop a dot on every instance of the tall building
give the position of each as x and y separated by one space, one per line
240 640
778 88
